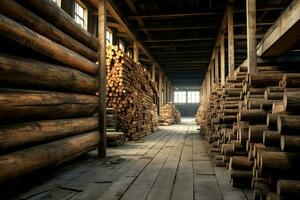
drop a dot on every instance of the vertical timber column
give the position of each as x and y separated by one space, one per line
212 76
165 89
251 35
230 39
102 78
136 51
217 66
160 88
222 55
208 83
153 72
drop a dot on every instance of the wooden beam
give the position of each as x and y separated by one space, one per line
175 28
160 87
102 77
153 73
181 40
135 51
251 35
222 54
283 34
230 39
217 66
175 15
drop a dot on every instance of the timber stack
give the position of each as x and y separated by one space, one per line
49 103
114 137
131 92
260 145
168 114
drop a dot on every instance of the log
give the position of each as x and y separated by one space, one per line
271 138
280 163
291 80
33 40
291 101
278 107
45 156
272 196
288 189
288 124
253 116
272 121
290 143
16 136
25 106
240 163
256 133
56 16
265 79
23 16
20 72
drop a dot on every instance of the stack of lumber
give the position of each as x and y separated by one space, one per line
114 137
260 145
131 92
48 104
168 114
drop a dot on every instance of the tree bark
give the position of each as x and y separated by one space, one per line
26 73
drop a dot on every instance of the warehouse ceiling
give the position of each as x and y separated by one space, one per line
181 34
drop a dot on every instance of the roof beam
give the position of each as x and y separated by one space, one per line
175 15
283 34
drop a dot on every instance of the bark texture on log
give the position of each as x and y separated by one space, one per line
31 133
25 106
45 156
33 40
27 73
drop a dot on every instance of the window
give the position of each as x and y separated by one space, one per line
193 97
109 36
180 97
81 14
121 45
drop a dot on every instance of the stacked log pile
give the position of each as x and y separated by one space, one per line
48 104
260 145
168 114
131 92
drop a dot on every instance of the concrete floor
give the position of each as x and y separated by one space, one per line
173 163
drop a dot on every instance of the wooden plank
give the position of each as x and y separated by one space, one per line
230 30
283 34
102 78
183 185
142 185
206 187
228 192
119 187
251 35
163 185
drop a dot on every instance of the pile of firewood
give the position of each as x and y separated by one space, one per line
168 114
48 101
252 124
132 93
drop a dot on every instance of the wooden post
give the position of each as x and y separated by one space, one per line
153 72
136 51
165 89
208 83
160 88
230 39
251 35
222 54
217 66
212 76
102 78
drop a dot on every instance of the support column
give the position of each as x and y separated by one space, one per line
208 83
251 35
230 39
136 51
165 89
222 55
212 77
153 72
160 88
217 66
102 78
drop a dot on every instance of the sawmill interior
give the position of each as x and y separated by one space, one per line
150 99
